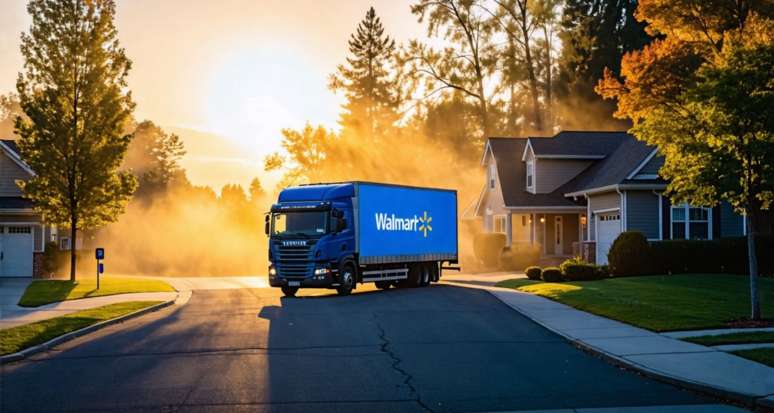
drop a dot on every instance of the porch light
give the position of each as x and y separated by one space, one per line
583 220
542 220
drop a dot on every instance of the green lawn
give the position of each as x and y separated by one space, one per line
41 292
660 303
761 355
734 338
20 337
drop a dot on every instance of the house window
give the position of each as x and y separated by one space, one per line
492 176
523 220
530 174
499 223
64 243
690 222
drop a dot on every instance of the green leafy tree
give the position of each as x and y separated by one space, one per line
704 94
466 66
73 91
10 109
154 156
372 95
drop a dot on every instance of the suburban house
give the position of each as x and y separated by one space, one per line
23 236
573 193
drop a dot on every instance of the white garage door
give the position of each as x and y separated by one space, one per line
16 245
608 228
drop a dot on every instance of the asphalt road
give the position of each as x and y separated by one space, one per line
441 348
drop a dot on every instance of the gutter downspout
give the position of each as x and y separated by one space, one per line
660 215
623 207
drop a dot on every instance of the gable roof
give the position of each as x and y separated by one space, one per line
617 154
513 176
612 170
577 144
10 148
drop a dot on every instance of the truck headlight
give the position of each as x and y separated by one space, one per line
272 271
321 271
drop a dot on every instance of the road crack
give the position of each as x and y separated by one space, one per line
396 361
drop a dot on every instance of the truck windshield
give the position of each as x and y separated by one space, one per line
303 223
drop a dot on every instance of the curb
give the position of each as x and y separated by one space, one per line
764 403
8 358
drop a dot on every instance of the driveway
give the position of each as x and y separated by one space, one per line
442 348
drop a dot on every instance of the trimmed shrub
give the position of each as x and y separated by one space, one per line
551 274
630 255
488 246
519 256
602 271
533 273
580 272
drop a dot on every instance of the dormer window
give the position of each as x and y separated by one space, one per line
530 174
492 172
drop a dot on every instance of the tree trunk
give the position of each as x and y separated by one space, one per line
549 81
73 235
752 258
533 88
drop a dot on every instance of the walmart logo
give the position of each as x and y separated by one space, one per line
391 222
424 225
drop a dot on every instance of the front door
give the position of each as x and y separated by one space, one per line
558 236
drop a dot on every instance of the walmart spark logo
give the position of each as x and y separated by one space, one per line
391 222
424 223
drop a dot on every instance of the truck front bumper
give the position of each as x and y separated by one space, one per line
327 281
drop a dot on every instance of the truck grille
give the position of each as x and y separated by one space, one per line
295 261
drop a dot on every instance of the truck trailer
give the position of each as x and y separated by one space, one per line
337 235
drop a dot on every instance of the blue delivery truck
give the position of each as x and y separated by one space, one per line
337 235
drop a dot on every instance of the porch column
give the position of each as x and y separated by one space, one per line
508 229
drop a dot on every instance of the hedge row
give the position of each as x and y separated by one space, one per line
631 254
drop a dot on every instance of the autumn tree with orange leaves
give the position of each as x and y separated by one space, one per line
703 93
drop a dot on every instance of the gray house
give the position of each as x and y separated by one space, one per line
573 193
23 236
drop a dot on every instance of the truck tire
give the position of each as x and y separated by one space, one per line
414 276
289 291
346 281
383 285
426 275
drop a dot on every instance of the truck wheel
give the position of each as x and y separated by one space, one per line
414 276
347 281
289 291
383 285
424 280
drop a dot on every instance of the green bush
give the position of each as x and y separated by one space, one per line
519 256
533 273
602 271
551 274
630 255
488 246
580 272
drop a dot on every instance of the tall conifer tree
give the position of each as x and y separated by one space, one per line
365 79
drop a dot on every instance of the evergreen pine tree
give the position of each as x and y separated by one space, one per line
371 96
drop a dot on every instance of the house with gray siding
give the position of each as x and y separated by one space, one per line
573 193
23 236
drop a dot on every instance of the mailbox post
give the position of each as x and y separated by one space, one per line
99 254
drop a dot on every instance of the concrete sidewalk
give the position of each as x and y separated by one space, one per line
689 365
11 314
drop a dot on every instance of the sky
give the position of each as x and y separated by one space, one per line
228 75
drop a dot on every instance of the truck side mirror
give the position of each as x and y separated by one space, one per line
266 224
